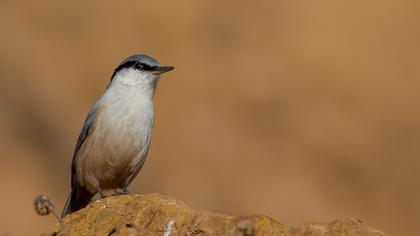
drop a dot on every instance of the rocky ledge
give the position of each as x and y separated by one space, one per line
156 214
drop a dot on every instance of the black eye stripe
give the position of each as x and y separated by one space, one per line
143 67
136 65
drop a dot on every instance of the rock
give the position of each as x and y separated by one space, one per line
348 226
156 214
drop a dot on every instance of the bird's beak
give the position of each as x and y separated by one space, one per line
164 69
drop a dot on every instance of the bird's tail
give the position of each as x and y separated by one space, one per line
78 199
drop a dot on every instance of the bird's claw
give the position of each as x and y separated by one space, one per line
122 191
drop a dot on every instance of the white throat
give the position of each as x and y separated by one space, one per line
128 101
130 79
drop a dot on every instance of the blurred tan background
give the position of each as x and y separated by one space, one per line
301 110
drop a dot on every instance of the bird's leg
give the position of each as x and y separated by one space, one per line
99 190
125 190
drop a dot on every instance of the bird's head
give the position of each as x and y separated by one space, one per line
139 70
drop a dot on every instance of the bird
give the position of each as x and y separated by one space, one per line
114 141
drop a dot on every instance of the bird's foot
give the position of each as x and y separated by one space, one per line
122 191
101 193
125 190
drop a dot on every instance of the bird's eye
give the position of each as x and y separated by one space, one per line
139 66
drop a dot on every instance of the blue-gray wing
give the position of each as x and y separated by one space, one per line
84 134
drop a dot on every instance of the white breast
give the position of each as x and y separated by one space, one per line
127 118
119 140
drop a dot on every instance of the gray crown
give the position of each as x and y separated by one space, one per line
141 58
